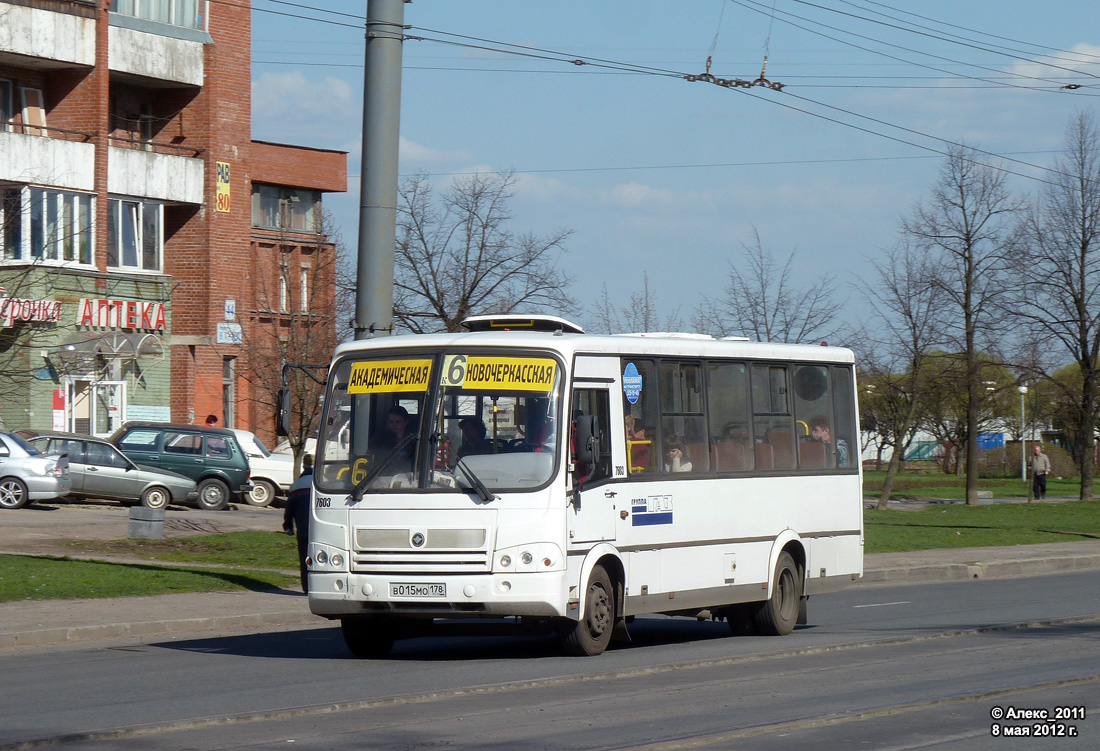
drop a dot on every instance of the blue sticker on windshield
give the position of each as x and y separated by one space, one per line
632 383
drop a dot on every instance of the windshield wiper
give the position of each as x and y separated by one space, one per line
479 486
358 490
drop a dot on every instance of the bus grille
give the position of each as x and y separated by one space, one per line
389 551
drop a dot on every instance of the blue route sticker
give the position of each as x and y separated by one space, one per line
632 383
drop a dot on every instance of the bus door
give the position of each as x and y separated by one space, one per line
594 501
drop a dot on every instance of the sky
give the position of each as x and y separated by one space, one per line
666 178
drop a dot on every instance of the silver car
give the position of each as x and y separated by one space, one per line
99 470
28 475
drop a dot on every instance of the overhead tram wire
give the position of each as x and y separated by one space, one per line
527 51
563 57
749 5
1076 59
938 37
983 33
298 16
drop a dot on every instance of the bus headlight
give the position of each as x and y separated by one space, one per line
505 561
321 558
337 560
526 558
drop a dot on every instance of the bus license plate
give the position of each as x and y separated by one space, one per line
418 590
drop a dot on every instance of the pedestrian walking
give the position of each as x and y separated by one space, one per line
1040 468
296 515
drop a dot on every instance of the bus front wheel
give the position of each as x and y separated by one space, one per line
592 633
777 615
367 637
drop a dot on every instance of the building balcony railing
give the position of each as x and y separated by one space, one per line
149 174
156 147
65 159
39 31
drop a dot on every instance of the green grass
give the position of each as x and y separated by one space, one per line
962 526
940 486
270 550
25 577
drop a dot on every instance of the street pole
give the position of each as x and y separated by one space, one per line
378 175
1023 443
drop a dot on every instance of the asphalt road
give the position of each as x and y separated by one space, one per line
877 667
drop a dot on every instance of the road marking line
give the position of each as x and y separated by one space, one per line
883 604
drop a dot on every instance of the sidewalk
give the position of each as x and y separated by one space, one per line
53 622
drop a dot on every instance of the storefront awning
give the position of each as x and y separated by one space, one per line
111 345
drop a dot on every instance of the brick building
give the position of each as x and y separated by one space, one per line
150 247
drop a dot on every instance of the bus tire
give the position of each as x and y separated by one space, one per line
592 633
367 637
777 615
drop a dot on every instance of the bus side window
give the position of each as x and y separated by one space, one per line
594 402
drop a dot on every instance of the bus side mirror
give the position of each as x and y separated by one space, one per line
587 440
282 419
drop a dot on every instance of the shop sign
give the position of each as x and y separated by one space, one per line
122 314
15 310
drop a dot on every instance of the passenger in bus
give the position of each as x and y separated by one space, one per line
473 437
676 457
819 431
637 443
397 424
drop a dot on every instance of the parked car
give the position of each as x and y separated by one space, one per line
284 447
26 474
99 470
271 475
212 457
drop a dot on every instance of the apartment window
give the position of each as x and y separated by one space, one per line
275 207
284 291
6 111
176 12
304 291
11 221
134 234
60 226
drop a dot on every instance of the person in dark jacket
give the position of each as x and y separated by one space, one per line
296 515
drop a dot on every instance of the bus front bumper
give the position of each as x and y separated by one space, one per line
541 594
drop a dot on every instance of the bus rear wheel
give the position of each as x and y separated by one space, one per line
592 633
778 615
367 637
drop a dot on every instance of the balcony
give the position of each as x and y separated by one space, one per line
148 174
45 39
66 160
154 56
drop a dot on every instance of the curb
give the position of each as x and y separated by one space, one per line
46 637
995 569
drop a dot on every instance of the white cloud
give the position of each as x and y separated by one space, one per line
417 154
297 100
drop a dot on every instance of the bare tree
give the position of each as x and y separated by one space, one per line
762 302
967 226
642 313
909 309
294 324
1059 297
459 258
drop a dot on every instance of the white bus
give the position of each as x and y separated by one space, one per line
527 470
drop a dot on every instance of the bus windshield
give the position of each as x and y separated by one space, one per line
441 421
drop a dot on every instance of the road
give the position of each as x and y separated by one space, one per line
878 667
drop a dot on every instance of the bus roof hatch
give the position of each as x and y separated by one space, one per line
517 322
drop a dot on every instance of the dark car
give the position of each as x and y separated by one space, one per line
99 470
212 457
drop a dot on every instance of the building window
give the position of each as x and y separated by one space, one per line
275 207
229 389
284 291
11 222
60 227
134 234
6 111
304 292
175 12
